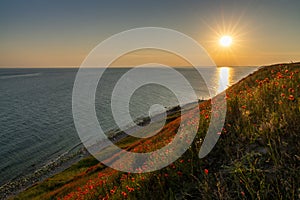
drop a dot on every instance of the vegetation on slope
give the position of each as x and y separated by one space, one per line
256 157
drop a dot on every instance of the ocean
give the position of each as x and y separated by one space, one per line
36 121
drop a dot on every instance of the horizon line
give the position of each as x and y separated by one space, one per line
129 66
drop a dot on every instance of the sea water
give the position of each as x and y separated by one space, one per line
36 121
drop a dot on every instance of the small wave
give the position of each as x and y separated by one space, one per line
19 75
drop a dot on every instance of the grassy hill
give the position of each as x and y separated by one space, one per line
256 157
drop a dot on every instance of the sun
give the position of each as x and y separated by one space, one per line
225 41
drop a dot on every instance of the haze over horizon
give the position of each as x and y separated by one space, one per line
54 33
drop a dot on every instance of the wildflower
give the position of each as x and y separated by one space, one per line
244 107
283 86
206 171
181 161
124 194
242 193
179 173
216 115
247 112
166 175
279 75
291 90
105 198
282 95
291 97
112 191
129 188
267 80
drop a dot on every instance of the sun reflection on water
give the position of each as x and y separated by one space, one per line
224 76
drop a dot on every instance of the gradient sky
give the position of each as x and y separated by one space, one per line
61 33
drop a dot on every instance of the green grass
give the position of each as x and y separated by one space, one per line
256 157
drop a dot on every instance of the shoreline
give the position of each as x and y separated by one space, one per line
19 184
65 161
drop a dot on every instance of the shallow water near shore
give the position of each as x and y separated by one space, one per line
37 129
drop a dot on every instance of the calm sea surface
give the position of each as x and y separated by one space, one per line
36 124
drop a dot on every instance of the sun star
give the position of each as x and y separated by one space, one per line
225 41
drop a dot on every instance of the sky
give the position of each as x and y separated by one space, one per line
39 33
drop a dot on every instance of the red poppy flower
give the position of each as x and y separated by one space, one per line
291 97
179 173
291 90
124 194
206 171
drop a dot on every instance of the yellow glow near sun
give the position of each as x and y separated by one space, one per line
225 41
